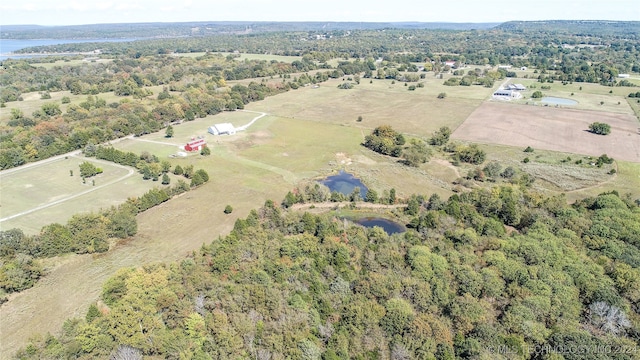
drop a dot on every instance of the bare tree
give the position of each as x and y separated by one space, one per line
199 304
126 352
263 354
325 331
400 352
608 318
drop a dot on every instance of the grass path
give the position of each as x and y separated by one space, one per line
130 172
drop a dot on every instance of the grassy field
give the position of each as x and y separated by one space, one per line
59 195
380 102
557 174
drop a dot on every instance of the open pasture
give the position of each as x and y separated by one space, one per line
379 102
46 193
551 128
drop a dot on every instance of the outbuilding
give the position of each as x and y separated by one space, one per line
195 145
222 129
505 94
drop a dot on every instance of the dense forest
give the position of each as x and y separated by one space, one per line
498 273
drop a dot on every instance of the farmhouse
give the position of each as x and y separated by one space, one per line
195 145
222 129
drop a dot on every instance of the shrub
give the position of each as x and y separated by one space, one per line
508 172
441 136
528 149
442 95
525 160
471 154
228 209
600 128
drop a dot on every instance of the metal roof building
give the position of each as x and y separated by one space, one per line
222 129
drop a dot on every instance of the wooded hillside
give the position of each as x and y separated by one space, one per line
488 274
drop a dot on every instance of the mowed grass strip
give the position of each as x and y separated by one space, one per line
41 185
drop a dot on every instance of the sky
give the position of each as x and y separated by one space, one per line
77 12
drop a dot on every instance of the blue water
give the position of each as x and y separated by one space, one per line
558 101
390 227
345 183
8 46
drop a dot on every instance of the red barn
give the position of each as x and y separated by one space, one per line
195 145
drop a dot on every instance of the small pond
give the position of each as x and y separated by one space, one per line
390 227
344 183
558 101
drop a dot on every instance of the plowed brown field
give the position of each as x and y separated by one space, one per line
552 128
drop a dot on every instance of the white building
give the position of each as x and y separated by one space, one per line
222 129
504 94
518 87
624 76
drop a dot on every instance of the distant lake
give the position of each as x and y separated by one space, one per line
390 227
8 46
345 183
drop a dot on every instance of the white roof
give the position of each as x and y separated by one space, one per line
224 128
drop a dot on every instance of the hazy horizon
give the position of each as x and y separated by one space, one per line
74 12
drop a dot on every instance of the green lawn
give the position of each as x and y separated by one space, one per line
51 182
